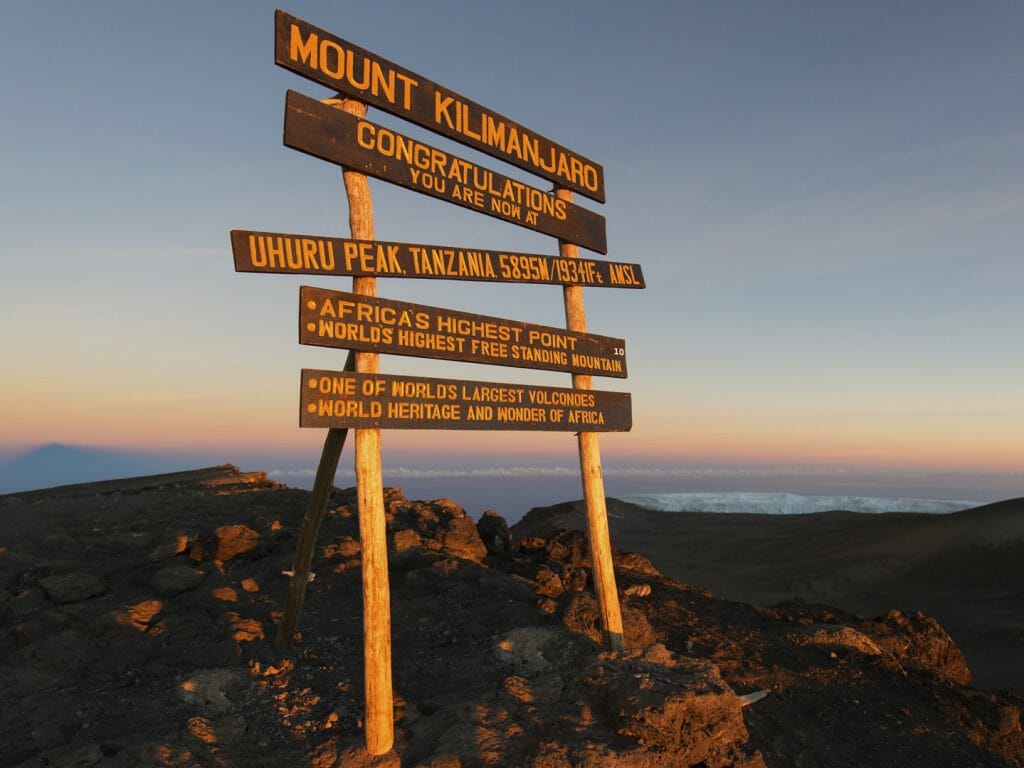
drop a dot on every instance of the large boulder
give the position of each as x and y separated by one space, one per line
440 525
919 642
494 532
676 705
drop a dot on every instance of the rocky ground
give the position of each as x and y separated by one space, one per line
963 569
136 619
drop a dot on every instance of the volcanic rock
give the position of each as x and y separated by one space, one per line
73 587
920 642
175 579
494 532
173 664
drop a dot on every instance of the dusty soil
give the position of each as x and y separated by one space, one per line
136 619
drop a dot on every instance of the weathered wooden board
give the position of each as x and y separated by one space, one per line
349 321
327 59
317 255
338 137
344 400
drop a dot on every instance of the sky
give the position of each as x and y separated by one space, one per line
827 201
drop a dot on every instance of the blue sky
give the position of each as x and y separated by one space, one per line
826 199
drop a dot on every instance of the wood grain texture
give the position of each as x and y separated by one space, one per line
592 478
379 720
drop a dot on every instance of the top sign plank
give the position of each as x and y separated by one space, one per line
326 59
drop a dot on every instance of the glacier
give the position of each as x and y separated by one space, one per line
789 503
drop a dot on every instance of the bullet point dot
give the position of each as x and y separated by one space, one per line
312 383
311 304
311 327
311 408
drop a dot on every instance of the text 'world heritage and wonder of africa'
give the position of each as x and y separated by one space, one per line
345 400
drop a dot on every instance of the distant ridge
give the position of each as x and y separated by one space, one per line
220 475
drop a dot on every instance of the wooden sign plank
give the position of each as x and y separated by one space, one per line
349 321
327 59
338 137
317 255
345 400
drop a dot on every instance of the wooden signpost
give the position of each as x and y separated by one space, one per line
292 254
347 321
337 137
363 399
351 400
327 59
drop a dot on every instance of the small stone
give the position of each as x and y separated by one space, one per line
200 729
246 630
638 590
345 547
176 579
549 583
234 540
518 688
227 594
575 579
633 561
208 690
73 588
530 649
140 615
170 549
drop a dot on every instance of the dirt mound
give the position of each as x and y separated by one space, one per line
135 627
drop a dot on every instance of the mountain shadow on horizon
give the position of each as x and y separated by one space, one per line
56 464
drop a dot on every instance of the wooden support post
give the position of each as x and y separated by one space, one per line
590 470
310 528
379 722
379 715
